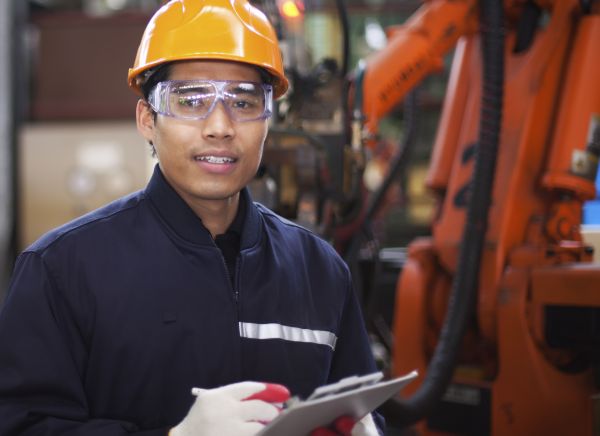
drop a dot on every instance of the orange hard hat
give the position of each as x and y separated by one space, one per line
232 30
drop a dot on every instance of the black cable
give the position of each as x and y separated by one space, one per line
397 167
402 157
462 301
343 13
527 26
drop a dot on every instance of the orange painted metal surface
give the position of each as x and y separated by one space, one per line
533 255
569 166
414 50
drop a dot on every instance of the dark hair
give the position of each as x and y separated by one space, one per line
154 78
158 75
265 76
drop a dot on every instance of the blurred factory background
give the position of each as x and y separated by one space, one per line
68 138
69 144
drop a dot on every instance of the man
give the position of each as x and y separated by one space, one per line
111 319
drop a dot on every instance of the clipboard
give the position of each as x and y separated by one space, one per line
354 396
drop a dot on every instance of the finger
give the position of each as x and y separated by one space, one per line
256 410
198 391
322 431
273 393
344 425
239 391
365 427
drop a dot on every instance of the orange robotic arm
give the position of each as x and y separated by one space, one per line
415 49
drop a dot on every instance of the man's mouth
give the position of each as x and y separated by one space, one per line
215 159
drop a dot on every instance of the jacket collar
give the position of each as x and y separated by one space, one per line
182 219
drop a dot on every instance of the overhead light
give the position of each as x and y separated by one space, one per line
291 8
374 34
116 5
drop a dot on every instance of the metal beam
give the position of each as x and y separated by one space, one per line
12 15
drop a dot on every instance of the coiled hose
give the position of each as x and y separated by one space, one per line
462 301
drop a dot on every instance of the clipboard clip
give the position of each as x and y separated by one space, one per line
346 384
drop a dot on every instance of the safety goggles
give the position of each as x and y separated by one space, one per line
196 99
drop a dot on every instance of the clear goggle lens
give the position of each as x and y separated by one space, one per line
196 99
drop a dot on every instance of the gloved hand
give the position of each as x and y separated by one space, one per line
227 411
348 426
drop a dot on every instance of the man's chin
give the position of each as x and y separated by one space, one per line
216 195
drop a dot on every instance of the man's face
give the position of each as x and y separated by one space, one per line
209 159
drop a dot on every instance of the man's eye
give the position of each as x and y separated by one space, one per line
245 103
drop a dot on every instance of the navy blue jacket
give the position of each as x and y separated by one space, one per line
112 318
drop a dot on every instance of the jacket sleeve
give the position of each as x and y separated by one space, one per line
353 355
43 359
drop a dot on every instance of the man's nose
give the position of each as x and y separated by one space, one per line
218 124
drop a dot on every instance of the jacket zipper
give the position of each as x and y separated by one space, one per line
236 291
233 289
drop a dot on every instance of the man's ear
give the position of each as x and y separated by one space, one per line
144 117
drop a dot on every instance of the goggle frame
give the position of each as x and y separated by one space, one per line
159 100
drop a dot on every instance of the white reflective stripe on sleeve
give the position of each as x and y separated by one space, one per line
277 331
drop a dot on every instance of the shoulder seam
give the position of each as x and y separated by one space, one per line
266 211
284 221
81 225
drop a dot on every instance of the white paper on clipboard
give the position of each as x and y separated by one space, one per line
304 416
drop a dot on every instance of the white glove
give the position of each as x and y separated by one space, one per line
223 412
365 427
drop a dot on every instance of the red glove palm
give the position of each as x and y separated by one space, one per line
341 427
